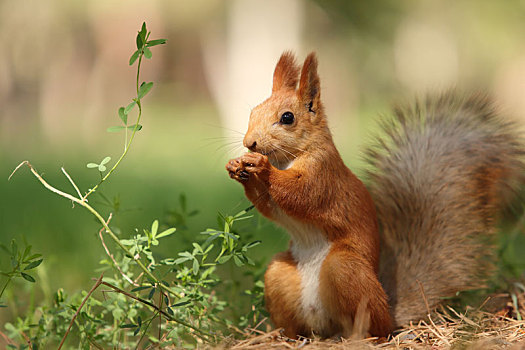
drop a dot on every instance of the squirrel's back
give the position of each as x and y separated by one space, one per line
439 177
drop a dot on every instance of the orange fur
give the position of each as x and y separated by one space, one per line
283 293
291 174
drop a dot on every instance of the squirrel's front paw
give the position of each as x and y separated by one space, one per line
241 168
236 170
255 163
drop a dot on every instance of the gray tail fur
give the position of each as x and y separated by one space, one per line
439 178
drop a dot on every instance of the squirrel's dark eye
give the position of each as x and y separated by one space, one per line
287 118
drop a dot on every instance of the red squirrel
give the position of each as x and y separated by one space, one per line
438 178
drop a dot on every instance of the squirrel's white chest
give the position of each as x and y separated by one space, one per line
309 262
309 250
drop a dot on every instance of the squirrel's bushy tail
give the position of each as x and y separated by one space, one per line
440 176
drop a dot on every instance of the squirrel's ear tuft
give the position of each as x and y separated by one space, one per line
286 72
309 85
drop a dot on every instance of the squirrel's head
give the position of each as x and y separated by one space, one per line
292 118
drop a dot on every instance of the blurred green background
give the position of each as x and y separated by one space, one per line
64 73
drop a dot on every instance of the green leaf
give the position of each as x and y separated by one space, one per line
115 128
134 57
210 247
92 165
197 247
139 41
122 115
140 288
253 244
181 260
101 168
27 277
181 302
250 261
154 228
155 42
151 293
224 259
34 256
186 254
237 261
129 107
144 89
33 264
166 232
127 241
128 325
26 252
105 160
147 53
143 31
195 266
132 127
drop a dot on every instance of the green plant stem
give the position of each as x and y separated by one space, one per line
5 286
146 329
127 146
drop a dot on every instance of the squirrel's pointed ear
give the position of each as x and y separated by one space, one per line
286 72
309 85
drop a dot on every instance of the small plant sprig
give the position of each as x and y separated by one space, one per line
22 262
143 50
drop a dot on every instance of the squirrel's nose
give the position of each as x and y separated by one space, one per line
253 146
250 144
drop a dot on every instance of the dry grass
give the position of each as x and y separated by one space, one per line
496 324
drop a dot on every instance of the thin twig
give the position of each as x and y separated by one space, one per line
95 286
100 234
146 329
165 314
161 294
46 185
28 341
72 183
7 339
